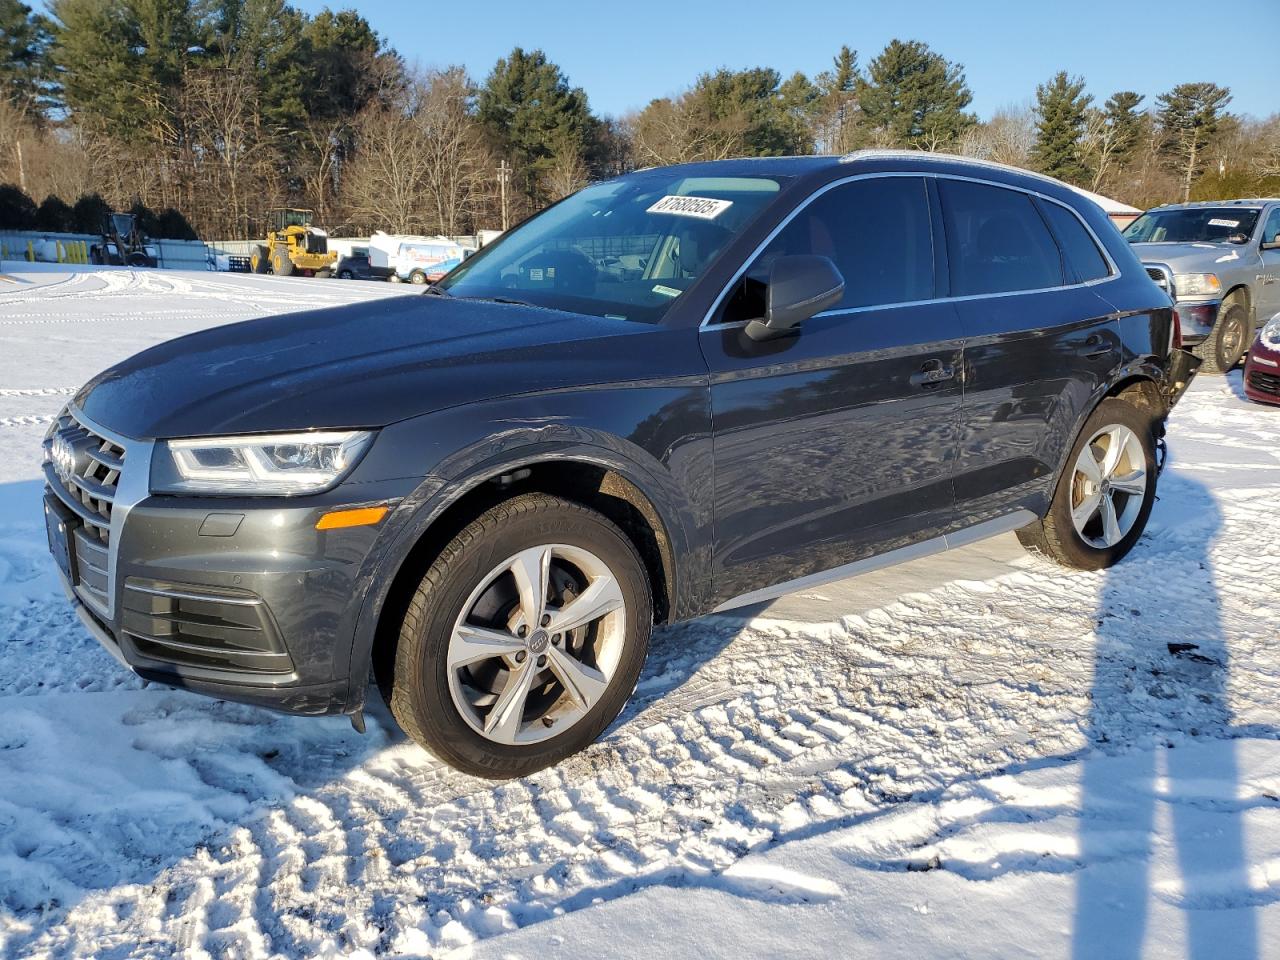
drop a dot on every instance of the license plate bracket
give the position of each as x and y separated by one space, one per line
58 528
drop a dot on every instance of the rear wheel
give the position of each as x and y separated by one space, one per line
1227 344
417 278
524 639
344 274
1105 495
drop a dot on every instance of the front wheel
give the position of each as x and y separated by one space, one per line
417 278
1105 495
524 639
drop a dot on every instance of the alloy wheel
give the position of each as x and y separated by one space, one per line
1108 486
537 644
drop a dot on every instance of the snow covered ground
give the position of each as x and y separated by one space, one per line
977 754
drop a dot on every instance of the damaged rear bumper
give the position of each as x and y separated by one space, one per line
1183 365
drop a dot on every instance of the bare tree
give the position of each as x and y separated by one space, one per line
221 111
1006 138
453 152
419 166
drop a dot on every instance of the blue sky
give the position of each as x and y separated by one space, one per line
624 54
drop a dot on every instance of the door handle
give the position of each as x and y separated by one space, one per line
1097 346
933 373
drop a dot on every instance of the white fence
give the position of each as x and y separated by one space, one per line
171 254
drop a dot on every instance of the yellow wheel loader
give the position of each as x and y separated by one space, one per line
293 246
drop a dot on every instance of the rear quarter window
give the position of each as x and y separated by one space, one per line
1085 261
997 242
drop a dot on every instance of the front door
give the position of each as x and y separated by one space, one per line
1267 298
837 442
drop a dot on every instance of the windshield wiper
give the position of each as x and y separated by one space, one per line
434 291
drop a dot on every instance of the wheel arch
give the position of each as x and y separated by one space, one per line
604 487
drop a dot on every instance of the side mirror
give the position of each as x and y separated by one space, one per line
799 287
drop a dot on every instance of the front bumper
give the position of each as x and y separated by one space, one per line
1262 374
238 598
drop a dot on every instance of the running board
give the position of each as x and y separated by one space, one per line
926 548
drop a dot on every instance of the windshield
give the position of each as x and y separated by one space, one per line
1194 225
294 218
626 248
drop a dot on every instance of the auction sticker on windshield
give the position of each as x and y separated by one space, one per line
1216 222
704 208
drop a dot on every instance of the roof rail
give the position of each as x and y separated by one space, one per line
878 153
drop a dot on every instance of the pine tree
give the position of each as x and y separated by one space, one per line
1121 112
838 121
1190 114
24 41
1061 109
914 97
533 118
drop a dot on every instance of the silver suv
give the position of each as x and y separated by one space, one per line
1220 261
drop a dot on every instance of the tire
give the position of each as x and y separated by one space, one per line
1227 344
344 275
394 278
446 685
259 262
417 278
1096 547
281 265
323 274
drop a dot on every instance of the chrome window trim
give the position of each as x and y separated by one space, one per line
1114 274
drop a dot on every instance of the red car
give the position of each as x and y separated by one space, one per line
1262 372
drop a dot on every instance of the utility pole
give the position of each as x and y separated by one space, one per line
504 172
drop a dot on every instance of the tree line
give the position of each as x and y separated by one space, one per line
210 112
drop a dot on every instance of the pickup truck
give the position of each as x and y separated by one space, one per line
1220 262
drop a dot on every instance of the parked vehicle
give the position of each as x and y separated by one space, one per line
489 494
294 244
123 243
1262 370
422 263
1220 261
353 266
386 249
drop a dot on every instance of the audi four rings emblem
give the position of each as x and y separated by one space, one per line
63 456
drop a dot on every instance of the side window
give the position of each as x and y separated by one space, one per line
1084 259
878 234
1271 229
996 241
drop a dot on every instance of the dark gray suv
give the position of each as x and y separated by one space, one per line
679 391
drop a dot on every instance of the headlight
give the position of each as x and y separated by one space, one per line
280 464
1196 284
1271 332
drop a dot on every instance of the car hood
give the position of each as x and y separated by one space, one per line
365 365
1191 257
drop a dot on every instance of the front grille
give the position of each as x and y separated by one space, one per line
1266 382
216 628
1162 276
85 471
89 486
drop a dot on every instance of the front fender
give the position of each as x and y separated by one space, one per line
659 442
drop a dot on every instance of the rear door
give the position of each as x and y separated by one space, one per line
838 442
1039 340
